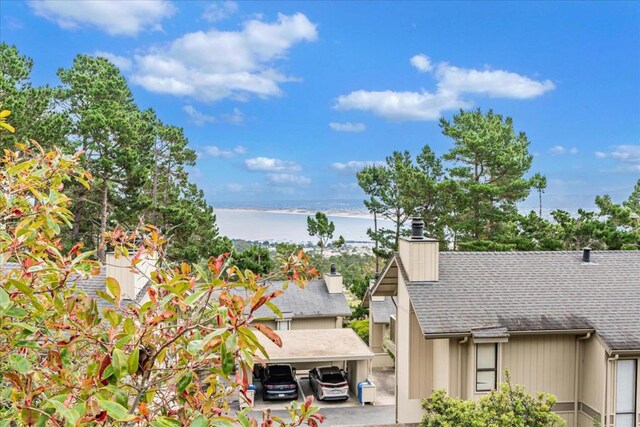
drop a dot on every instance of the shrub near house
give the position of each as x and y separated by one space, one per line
509 406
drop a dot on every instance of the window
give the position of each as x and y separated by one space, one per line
486 366
283 324
626 393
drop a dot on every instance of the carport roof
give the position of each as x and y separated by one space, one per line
316 345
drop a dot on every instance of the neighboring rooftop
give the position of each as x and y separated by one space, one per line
312 301
381 311
533 291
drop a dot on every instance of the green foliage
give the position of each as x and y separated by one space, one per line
63 361
137 164
255 258
361 327
320 227
509 406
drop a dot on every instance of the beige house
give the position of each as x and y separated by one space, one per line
382 311
566 323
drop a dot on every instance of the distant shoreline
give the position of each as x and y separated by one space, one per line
306 212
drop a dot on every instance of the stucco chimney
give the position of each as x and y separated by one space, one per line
419 254
333 280
131 281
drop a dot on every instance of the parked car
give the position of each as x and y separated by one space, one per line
279 383
329 383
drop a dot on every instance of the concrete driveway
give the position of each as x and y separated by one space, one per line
344 413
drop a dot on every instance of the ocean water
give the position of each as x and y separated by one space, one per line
281 226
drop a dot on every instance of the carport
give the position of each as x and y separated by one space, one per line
306 349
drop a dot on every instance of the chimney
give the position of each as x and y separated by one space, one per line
419 254
586 255
131 282
333 280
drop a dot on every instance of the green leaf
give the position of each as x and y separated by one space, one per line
119 363
70 416
199 421
105 296
114 288
165 422
129 326
4 299
19 363
115 410
184 382
132 362
193 297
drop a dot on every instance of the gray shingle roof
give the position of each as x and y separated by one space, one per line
380 311
90 285
312 301
524 291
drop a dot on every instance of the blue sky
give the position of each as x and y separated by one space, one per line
285 100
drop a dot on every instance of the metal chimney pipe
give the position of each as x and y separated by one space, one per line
417 229
586 255
333 269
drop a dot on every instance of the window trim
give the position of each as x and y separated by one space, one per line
635 393
494 369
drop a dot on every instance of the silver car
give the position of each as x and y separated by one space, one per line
329 383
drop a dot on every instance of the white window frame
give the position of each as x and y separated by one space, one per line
495 369
283 324
634 412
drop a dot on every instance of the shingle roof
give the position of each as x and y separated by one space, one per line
90 285
380 311
524 291
312 301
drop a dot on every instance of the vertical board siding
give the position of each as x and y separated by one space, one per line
420 362
542 364
593 366
314 323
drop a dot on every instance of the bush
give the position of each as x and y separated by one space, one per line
509 406
362 328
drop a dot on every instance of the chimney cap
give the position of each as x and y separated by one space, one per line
586 254
333 269
417 228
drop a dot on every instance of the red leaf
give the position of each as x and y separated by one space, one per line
269 333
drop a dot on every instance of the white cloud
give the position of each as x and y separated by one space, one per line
400 106
287 179
219 10
196 117
495 83
113 17
265 164
235 118
199 119
422 63
626 156
215 151
121 62
347 127
215 65
355 165
452 83
559 149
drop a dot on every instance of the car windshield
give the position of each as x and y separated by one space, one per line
333 377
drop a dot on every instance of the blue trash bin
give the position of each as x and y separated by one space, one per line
364 392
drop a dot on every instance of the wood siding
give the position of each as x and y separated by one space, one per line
542 364
421 362
420 259
315 323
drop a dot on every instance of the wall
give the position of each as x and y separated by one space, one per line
408 409
420 259
315 323
593 362
422 361
542 364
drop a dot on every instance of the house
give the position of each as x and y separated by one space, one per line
566 323
382 311
322 304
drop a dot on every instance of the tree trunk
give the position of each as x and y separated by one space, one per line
103 220
540 199
375 228
154 190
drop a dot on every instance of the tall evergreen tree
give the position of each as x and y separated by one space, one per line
36 111
489 162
